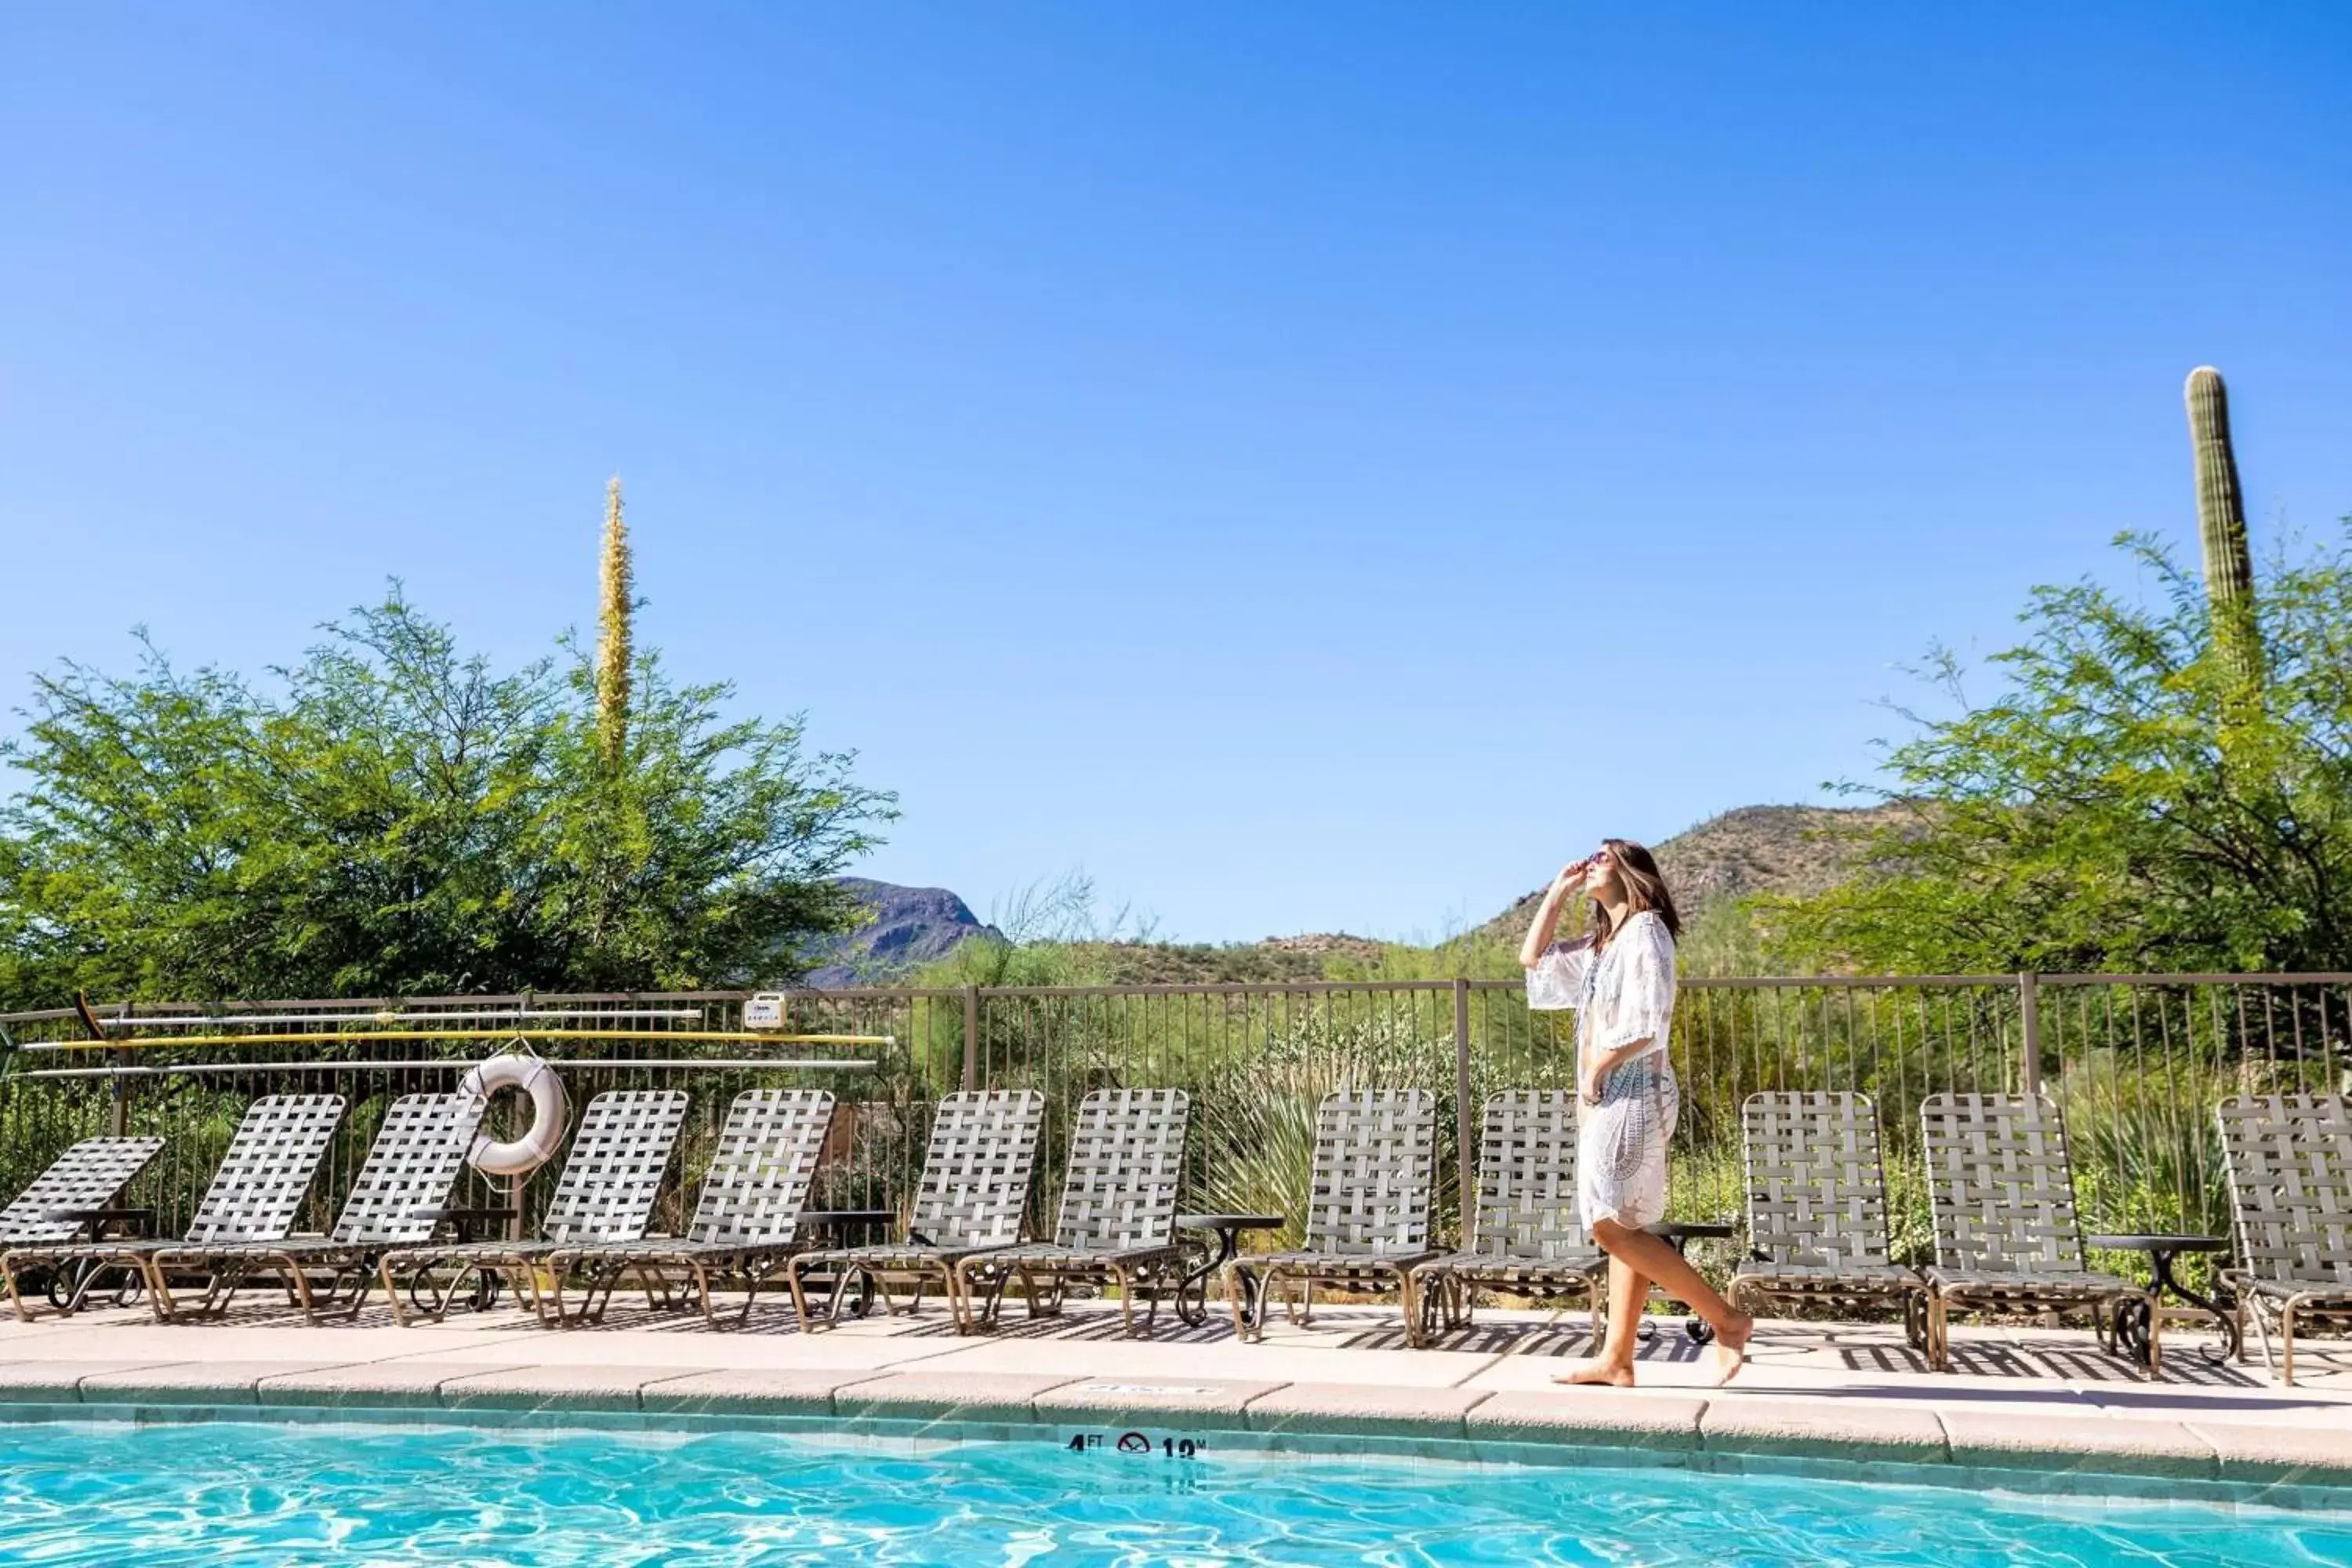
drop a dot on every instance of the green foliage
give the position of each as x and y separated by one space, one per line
396 817
1724 937
1220 964
2089 818
1472 955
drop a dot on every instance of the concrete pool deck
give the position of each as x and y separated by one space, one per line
2024 1398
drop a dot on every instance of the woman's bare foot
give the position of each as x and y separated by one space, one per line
1731 1348
1594 1369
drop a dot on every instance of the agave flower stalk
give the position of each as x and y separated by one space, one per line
613 639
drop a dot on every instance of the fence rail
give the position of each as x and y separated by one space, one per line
2137 1061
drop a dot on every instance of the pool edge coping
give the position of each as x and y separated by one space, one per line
1942 1446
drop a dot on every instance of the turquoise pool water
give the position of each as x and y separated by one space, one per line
237 1493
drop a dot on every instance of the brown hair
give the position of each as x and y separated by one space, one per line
1645 888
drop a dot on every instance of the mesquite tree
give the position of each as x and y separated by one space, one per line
391 816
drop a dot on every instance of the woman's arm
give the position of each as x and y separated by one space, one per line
1547 920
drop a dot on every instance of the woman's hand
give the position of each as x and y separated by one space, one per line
1569 882
1592 1076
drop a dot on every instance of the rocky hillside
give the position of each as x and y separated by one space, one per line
1788 849
1276 960
911 926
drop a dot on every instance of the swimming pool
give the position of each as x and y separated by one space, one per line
255 1493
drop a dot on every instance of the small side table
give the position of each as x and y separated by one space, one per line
835 1225
68 1286
1679 1234
2131 1322
467 1221
1193 1290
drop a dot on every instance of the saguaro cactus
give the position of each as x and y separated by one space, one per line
2221 526
614 615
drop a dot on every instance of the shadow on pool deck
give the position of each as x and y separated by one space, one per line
1351 1343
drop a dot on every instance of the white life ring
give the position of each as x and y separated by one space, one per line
549 1113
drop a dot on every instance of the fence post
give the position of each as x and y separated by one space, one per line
971 1036
2029 1011
118 1110
1466 1149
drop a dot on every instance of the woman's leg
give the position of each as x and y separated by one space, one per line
1656 1259
1612 1361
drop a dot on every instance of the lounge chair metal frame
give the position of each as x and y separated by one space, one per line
1371 1189
263 1178
2290 1162
1527 1235
1117 1219
1817 1209
84 1180
2002 1193
396 1199
745 1223
972 1197
619 1156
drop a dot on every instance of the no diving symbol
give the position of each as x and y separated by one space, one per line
1134 1443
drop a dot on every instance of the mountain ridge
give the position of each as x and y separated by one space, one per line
912 926
1788 850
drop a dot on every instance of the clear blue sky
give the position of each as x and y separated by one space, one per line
1309 466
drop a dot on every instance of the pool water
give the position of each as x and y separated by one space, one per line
238 1492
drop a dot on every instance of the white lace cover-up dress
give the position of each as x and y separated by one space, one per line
1625 995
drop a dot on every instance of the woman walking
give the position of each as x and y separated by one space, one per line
1620 978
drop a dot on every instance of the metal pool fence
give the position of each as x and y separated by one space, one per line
2137 1061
